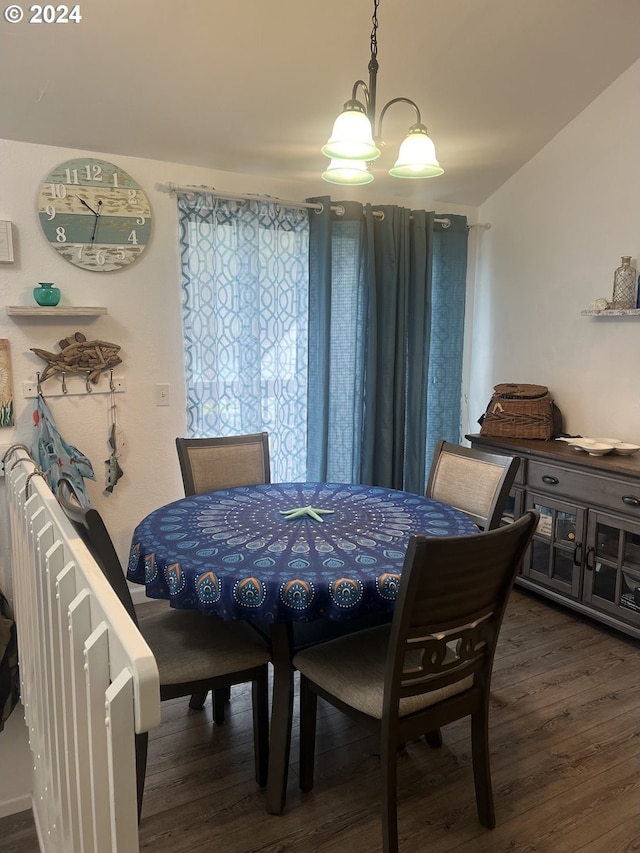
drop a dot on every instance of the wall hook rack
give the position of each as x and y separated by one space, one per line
74 385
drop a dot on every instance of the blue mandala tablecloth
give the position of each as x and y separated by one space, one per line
235 553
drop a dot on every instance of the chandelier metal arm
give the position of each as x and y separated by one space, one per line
395 101
357 104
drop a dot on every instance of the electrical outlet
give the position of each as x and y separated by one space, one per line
162 395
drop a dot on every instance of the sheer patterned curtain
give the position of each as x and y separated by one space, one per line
245 287
385 342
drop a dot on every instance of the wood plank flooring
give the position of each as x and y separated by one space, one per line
565 739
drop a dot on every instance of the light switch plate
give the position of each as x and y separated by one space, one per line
162 394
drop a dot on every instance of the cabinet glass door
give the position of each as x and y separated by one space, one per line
555 556
612 571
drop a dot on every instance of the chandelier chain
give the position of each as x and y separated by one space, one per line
374 20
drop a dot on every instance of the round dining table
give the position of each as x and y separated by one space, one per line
281 553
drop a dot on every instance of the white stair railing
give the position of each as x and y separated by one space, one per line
88 680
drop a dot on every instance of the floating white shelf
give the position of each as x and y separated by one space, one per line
612 312
65 311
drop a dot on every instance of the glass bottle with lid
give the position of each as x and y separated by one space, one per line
624 285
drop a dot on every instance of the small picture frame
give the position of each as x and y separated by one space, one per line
6 242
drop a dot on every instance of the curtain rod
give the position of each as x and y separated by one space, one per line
170 187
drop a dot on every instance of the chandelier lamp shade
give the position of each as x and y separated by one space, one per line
347 172
352 145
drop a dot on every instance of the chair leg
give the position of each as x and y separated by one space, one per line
260 702
434 738
196 703
389 768
308 711
482 768
142 744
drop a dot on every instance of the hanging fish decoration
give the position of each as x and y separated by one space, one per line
114 471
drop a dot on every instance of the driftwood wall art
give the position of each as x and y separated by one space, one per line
78 355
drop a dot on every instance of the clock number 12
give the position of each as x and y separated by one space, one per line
92 172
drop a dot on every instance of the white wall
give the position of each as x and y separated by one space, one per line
558 230
144 319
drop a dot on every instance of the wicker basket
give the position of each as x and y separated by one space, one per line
519 411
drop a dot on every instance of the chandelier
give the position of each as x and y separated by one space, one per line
352 145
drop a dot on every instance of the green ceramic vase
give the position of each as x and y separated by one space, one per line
46 294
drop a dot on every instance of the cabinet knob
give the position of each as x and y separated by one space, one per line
552 481
631 500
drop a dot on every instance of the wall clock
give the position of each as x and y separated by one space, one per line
94 214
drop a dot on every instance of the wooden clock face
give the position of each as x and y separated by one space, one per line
94 214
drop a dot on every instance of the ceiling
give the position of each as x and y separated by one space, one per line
253 87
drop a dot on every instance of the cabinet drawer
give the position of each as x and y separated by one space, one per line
591 489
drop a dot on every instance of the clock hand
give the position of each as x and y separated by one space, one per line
95 224
82 201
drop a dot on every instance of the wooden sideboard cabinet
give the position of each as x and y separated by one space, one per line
586 550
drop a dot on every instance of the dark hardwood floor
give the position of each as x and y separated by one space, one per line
565 738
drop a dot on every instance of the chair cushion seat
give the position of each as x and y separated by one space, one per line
352 669
189 646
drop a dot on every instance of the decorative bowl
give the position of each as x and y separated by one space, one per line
594 448
625 449
612 441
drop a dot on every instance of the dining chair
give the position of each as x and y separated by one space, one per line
222 462
431 666
472 480
194 653
478 483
